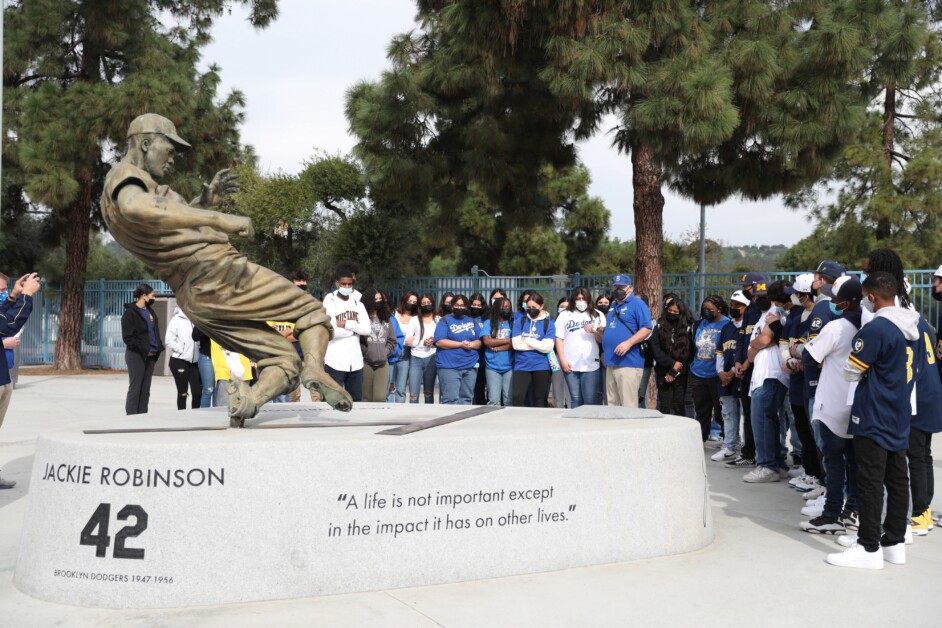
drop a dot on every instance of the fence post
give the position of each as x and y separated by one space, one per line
474 279
692 282
576 282
101 322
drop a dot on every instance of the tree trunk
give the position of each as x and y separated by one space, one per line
889 126
71 311
649 234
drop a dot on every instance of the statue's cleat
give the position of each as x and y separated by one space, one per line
330 391
241 404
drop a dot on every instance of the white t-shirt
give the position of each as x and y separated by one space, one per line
831 348
343 350
580 347
768 362
414 330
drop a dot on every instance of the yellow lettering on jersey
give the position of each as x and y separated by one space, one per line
909 364
930 355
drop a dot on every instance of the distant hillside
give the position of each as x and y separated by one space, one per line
751 257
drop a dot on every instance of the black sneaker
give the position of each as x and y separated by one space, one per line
823 525
849 519
741 463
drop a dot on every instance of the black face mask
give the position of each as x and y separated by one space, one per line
763 303
747 292
477 311
533 312
708 315
937 296
505 314
672 318
379 304
302 286
411 308
428 309
620 294
459 312
735 312
446 308
602 308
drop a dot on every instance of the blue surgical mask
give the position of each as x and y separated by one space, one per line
780 311
833 308
346 291
4 295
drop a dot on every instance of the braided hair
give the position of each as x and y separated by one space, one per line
887 261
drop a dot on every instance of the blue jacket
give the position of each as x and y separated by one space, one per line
13 315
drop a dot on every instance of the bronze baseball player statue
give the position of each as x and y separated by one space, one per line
225 295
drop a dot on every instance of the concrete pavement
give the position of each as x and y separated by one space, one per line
761 570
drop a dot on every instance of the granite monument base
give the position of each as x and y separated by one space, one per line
174 510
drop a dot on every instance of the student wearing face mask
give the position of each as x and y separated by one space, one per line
377 346
399 362
521 311
578 331
479 311
704 382
420 339
729 383
754 287
827 273
672 346
444 306
344 358
602 303
457 340
559 391
140 330
498 352
533 338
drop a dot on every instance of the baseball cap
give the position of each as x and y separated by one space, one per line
621 280
802 284
938 272
153 123
846 288
831 268
757 280
739 297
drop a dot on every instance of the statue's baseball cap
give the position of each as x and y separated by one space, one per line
621 280
153 123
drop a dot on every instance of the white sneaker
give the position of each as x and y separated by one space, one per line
815 493
847 540
797 472
895 554
723 455
857 556
760 475
813 510
908 537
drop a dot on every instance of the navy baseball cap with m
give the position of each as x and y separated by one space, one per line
756 281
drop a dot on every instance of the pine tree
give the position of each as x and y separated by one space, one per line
75 74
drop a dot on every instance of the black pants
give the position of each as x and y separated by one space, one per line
706 401
670 395
351 381
920 470
186 374
523 382
810 457
480 386
878 468
748 438
140 371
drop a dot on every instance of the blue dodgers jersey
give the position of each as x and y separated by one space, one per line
500 361
539 330
458 330
881 410
621 323
821 315
928 416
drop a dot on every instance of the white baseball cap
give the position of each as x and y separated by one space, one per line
938 272
739 297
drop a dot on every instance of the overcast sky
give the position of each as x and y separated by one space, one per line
296 72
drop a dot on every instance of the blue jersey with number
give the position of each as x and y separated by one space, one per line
821 315
750 317
729 343
928 416
881 410
795 332
623 321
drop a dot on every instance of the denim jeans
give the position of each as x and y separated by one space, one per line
583 387
766 401
208 379
498 387
221 393
730 406
457 386
839 463
422 373
351 381
398 376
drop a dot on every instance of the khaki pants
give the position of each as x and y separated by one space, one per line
622 384
6 392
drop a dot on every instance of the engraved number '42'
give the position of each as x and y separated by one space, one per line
101 540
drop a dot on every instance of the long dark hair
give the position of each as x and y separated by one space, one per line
495 314
405 299
485 309
141 290
582 291
441 304
369 302
887 261
674 338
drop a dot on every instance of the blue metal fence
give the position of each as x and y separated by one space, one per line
103 347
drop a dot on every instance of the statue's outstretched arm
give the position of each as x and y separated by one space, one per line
139 205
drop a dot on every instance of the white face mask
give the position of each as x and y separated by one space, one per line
795 300
581 306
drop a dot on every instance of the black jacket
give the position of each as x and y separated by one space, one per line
134 330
